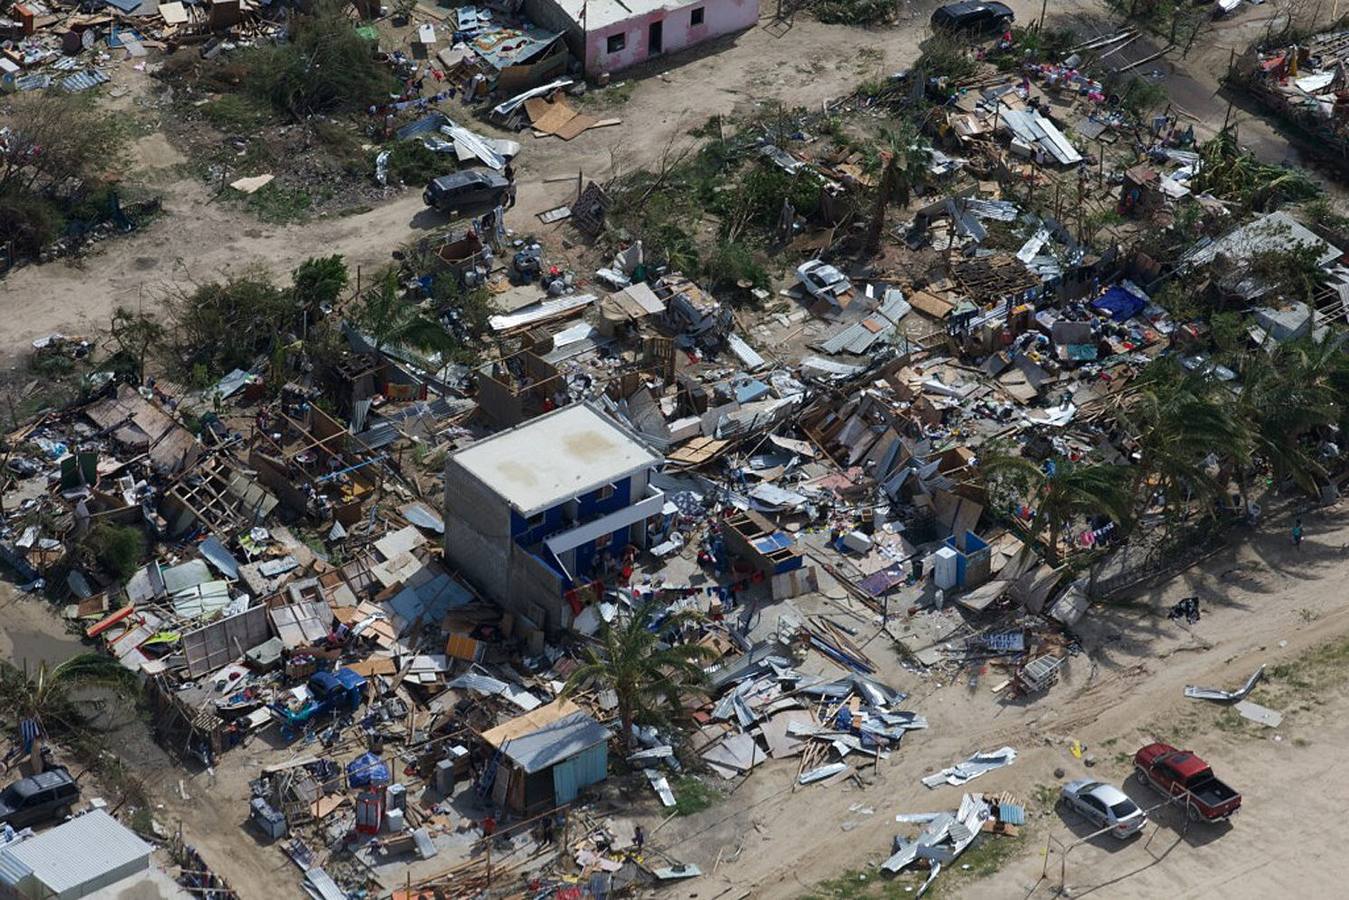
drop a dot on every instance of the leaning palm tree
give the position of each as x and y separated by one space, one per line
47 694
391 321
648 676
1061 490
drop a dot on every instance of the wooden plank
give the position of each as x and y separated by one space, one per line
326 806
574 126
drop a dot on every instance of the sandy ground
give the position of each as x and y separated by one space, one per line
1264 602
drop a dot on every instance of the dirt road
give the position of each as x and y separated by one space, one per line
200 238
1263 603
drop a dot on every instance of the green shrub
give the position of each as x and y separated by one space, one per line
731 263
945 55
225 325
410 162
1142 97
51 365
762 191
237 113
325 67
693 795
854 12
278 204
475 305
29 220
119 549
319 280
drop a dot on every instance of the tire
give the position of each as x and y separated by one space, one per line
1142 777
1193 813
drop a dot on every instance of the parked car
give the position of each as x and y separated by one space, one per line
327 692
39 798
973 16
1186 777
469 188
1105 806
824 281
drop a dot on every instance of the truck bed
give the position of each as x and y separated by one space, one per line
1212 793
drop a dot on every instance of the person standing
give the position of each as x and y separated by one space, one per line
1297 533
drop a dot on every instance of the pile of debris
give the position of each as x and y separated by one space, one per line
944 836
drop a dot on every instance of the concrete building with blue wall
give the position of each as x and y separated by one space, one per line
540 516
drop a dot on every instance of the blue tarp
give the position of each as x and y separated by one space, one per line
1120 303
425 125
367 769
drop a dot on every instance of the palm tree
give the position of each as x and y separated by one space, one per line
46 697
1060 490
391 321
1286 395
905 160
648 676
1181 419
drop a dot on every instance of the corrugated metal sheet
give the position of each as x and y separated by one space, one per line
1035 129
185 576
422 516
86 851
744 352
82 81
201 600
860 336
320 884
553 743
588 767
301 623
35 82
218 555
486 684
1274 232
12 871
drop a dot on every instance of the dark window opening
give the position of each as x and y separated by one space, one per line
696 17
616 43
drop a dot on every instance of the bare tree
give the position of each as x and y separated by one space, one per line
53 138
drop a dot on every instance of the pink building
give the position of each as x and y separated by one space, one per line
608 35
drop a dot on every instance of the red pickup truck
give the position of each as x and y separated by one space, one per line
1187 778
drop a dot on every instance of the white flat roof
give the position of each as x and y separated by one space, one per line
558 456
78 852
600 14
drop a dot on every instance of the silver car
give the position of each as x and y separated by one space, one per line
1105 806
823 281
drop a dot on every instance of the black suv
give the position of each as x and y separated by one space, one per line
469 188
38 798
973 16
